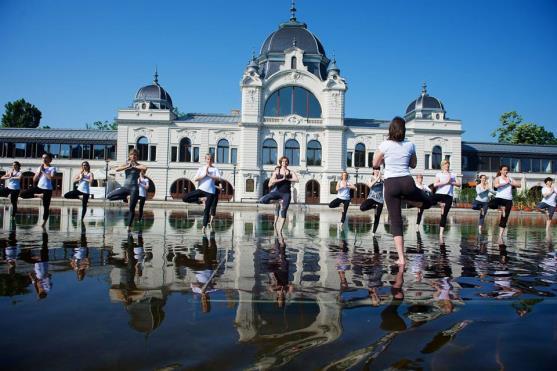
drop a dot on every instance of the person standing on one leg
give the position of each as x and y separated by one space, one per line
399 155
343 196
504 196
43 177
132 169
206 177
549 194
282 179
483 190
420 184
375 197
445 181
85 179
13 186
143 183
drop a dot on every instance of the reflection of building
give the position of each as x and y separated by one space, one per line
292 103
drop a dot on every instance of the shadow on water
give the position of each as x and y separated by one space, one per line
166 295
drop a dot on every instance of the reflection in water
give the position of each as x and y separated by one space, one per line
317 297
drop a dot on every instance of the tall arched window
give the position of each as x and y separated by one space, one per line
436 157
143 149
293 63
293 100
313 154
269 156
185 150
292 151
223 151
360 155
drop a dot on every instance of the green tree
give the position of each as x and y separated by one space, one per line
21 114
102 125
513 130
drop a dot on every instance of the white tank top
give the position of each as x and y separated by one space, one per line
344 192
142 190
14 183
505 191
446 189
550 199
84 183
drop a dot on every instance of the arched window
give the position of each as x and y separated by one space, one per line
269 152
293 63
292 151
293 100
313 155
223 151
360 155
436 157
185 150
143 149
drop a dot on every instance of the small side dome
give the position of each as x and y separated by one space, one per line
425 106
153 96
333 69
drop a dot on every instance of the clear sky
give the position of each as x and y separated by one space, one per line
80 61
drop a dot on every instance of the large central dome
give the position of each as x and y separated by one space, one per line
292 34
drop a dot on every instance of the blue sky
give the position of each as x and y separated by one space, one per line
80 61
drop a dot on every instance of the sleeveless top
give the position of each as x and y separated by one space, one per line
132 176
446 189
376 192
84 183
505 191
14 183
344 192
142 190
283 184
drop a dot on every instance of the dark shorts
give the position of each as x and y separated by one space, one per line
550 209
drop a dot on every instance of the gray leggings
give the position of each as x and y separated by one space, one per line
276 195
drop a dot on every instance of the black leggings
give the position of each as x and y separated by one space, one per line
141 204
448 202
369 204
74 195
194 196
336 203
47 195
122 193
482 206
214 203
276 195
508 204
14 194
397 189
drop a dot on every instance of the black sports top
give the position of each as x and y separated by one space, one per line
283 182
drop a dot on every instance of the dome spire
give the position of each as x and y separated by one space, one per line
293 11
424 89
156 76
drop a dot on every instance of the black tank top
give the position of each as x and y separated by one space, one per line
132 175
283 184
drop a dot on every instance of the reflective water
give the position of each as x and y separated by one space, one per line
165 296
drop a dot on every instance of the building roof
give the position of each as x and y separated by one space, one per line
210 118
425 102
510 149
59 135
366 123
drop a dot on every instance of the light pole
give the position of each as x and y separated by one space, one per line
234 183
106 178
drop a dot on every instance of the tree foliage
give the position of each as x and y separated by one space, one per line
102 125
21 114
513 130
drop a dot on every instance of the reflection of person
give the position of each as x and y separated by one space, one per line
132 169
445 181
80 262
443 294
85 179
40 278
548 203
398 155
143 183
373 274
343 196
205 272
282 179
11 251
483 191
13 185
504 196
375 197
343 265
279 273
43 177
390 319
206 177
